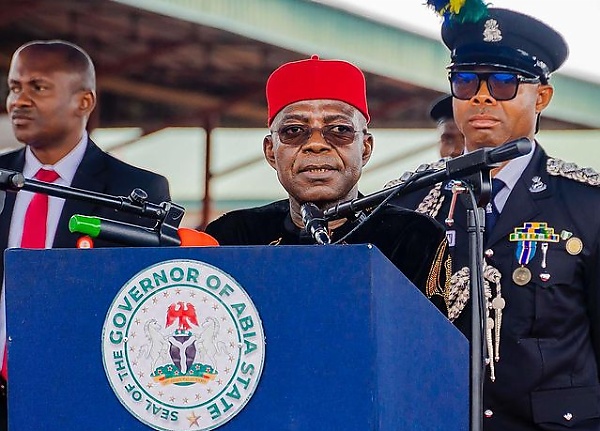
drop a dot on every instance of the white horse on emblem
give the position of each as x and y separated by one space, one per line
157 347
209 347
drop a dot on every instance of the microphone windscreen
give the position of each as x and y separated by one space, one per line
195 238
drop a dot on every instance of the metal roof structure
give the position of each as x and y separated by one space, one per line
204 63
190 63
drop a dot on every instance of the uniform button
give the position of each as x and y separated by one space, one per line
489 252
488 413
568 416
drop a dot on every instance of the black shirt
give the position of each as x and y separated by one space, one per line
411 241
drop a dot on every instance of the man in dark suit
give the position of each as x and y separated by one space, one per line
542 245
51 96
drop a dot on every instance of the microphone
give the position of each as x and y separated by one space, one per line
456 168
510 150
130 234
487 157
314 223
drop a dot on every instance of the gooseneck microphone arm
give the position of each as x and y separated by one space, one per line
116 231
458 167
167 215
135 203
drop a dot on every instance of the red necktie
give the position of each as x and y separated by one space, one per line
34 227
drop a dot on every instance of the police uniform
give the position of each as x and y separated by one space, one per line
541 260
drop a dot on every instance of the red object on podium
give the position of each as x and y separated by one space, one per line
194 238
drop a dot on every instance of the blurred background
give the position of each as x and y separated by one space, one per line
181 82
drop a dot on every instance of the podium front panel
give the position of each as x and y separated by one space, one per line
350 343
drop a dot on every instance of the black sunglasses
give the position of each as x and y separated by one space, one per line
501 85
333 134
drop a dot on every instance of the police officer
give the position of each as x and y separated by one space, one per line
451 140
542 254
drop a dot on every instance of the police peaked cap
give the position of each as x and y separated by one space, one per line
506 39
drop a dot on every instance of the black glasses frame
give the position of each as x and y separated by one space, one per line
497 84
299 134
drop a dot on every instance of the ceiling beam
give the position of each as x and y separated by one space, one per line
194 100
17 10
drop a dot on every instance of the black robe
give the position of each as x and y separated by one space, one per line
411 241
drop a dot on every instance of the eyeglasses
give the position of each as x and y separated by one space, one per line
333 134
501 85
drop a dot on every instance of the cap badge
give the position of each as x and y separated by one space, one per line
491 32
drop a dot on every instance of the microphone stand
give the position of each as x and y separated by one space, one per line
473 169
168 215
478 349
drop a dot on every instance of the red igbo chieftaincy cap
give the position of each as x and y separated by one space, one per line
315 79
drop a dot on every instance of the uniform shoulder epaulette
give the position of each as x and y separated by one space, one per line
560 168
440 164
432 203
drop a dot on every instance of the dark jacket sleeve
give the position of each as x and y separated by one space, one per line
424 257
224 229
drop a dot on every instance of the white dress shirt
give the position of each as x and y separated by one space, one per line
510 174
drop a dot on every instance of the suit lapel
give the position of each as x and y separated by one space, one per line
522 205
90 175
9 203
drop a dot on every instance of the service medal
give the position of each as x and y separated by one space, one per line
525 251
565 235
534 231
574 246
521 276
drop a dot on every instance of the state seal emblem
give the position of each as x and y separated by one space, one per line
183 346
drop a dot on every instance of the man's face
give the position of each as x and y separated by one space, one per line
452 142
488 122
44 100
316 169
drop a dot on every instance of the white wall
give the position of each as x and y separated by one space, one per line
179 155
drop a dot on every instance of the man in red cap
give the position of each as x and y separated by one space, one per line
318 143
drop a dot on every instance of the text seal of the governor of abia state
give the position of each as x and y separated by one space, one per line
183 346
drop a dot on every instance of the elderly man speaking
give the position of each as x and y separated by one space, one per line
318 143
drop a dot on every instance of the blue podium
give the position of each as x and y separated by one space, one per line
339 340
